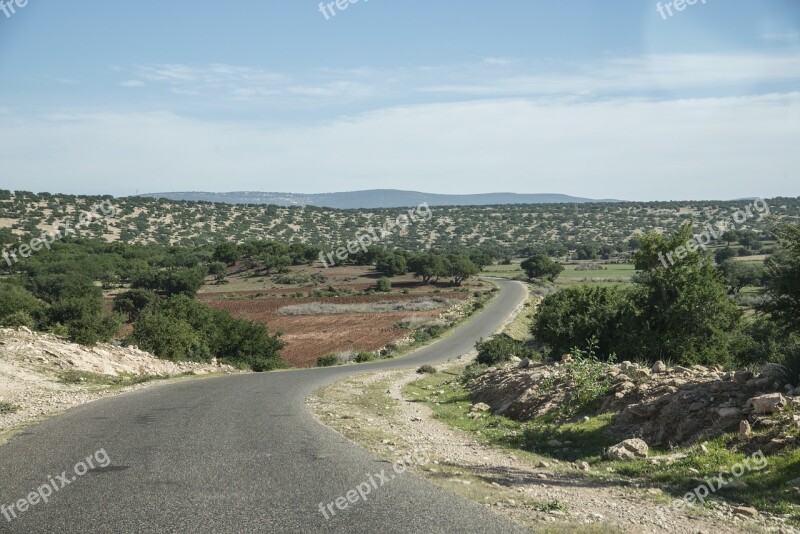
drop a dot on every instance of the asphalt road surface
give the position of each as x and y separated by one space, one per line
231 454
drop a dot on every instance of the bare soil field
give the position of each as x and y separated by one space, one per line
260 298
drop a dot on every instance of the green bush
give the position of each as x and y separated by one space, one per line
363 357
473 370
384 285
329 360
426 369
132 302
19 307
500 349
574 315
7 408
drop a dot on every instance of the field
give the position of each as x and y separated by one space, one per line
574 273
322 331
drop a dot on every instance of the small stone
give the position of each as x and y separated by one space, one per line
480 407
744 430
746 511
524 363
553 443
659 367
584 466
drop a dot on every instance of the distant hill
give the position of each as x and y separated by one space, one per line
374 198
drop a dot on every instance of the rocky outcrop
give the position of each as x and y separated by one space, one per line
662 405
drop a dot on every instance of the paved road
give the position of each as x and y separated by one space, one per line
232 454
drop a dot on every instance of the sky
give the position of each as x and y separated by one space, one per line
626 99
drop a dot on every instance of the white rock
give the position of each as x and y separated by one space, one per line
628 450
765 404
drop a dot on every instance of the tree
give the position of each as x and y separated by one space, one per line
218 270
460 268
723 254
740 274
227 253
428 266
540 266
683 311
392 264
132 302
782 279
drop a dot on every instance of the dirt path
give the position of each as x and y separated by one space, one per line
551 496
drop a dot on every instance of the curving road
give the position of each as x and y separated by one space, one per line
232 454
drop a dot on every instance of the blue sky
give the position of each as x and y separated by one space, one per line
598 99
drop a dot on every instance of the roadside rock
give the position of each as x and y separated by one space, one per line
765 404
480 407
628 450
659 367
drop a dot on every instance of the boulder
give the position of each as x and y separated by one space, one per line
774 371
524 363
728 411
629 449
659 367
743 375
770 403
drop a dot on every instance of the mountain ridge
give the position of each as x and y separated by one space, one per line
371 198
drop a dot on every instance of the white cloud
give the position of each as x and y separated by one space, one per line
637 75
132 83
632 149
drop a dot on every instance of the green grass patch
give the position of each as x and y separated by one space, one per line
101 380
8 408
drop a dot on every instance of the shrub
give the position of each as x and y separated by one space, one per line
6 408
17 319
472 371
329 360
500 349
384 285
426 369
261 364
363 357
574 315
15 300
132 302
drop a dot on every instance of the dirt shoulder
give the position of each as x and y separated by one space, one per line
539 492
42 375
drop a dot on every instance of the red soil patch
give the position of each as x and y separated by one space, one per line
311 336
